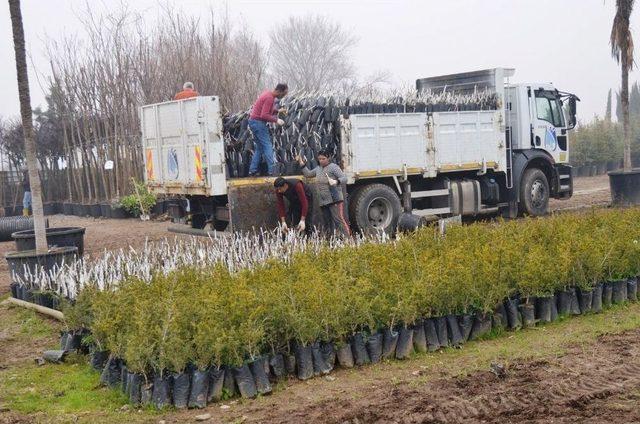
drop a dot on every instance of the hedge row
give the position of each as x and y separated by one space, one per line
382 298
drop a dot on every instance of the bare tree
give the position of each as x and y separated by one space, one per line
27 125
311 53
622 50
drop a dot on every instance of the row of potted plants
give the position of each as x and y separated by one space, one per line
387 298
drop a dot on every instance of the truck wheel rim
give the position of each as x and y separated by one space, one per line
538 194
379 212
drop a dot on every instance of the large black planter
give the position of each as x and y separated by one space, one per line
28 261
625 187
61 237
105 210
67 208
95 210
78 209
119 213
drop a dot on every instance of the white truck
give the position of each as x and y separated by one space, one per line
509 160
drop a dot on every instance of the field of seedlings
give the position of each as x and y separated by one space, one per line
197 322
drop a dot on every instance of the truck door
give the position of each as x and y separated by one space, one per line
548 121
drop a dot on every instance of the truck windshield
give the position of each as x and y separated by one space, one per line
548 108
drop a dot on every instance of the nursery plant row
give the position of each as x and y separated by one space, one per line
196 335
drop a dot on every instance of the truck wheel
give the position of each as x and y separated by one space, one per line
374 208
534 193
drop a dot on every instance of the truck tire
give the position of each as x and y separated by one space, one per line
534 193
375 207
219 225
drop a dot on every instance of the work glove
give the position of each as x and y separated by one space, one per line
280 122
283 227
332 182
300 160
301 226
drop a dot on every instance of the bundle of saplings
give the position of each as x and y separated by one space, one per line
197 335
312 123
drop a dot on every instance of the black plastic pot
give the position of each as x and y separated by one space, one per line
216 384
607 294
441 330
543 309
134 388
29 261
161 391
95 210
527 311
67 208
50 208
389 343
263 386
181 389
111 374
14 290
328 351
513 316
345 356
632 289
481 326
431 334
419 337
619 291
229 383
405 343
78 209
199 389
465 323
105 210
245 382
596 299
119 213
359 349
276 365
304 362
453 328
99 359
375 344
585 300
60 237
625 187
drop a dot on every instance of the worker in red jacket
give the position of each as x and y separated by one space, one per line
187 92
263 112
300 198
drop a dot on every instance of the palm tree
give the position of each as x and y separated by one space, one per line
622 51
27 125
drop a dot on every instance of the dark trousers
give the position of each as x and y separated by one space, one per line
334 220
294 213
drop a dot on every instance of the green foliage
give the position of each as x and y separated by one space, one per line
212 317
140 201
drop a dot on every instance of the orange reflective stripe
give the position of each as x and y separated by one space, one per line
198 163
150 175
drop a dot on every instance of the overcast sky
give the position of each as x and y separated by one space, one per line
559 41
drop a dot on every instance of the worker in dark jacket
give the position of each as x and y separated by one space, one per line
300 199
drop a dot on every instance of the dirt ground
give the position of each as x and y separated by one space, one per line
588 384
112 234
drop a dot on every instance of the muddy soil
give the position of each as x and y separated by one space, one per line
597 383
587 192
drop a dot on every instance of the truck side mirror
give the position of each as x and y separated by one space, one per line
572 112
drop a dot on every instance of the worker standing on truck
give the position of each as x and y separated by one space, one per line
329 182
187 92
300 211
264 111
